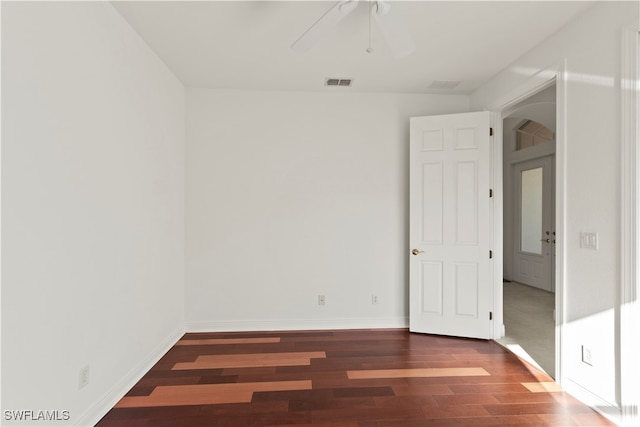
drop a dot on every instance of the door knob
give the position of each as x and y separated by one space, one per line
416 251
545 240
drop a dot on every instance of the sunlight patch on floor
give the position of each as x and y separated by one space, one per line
522 354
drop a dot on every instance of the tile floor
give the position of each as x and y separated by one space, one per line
529 324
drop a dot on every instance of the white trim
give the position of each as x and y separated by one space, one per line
498 244
630 241
1 210
536 83
103 405
609 409
561 217
296 324
535 152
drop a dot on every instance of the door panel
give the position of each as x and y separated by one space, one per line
431 283
451 290
433 203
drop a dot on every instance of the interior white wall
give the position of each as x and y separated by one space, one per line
289 196
295 195
591 47
92 207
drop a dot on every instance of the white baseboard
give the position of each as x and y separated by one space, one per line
297 324
107 402
609 410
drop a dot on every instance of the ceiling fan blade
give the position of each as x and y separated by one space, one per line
393 28
325 24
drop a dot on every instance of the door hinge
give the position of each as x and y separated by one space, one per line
490 131
490 254
491 315
491 192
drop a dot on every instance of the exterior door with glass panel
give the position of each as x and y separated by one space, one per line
534 227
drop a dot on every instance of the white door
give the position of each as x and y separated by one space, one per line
451 225
534 233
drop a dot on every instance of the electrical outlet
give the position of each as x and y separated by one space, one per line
587 357
374 299
83 377
320 299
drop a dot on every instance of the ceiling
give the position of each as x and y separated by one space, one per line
246 44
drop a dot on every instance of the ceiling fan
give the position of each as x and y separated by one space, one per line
384 13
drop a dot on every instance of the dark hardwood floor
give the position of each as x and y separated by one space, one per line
346 378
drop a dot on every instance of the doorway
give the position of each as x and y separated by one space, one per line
529 300
534 101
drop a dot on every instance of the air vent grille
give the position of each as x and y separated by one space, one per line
338 82
444 84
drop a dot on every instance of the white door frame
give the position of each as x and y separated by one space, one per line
630 228
538 82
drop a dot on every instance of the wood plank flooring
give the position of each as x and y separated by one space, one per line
344 378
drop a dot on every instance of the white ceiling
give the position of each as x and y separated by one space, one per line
245 44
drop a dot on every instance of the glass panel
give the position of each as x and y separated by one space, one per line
531 217
524 141
531 134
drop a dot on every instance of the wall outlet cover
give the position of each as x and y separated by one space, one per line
83 377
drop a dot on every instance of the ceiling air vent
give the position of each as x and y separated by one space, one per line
444 84
338 82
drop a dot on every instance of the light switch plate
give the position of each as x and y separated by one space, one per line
589 240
